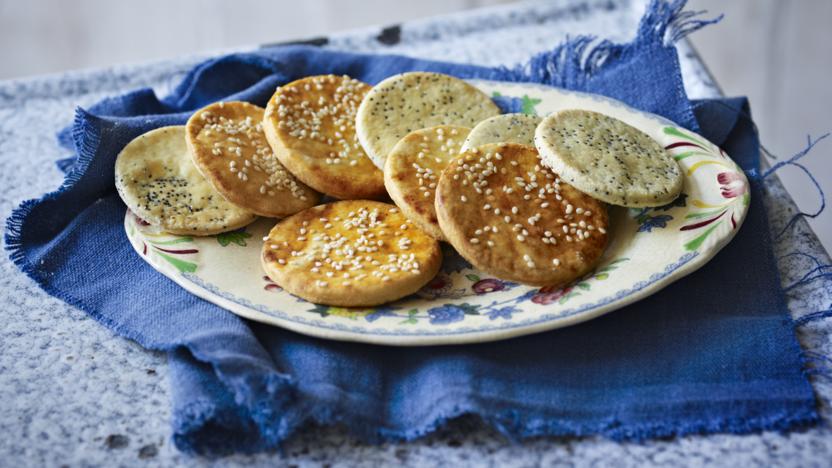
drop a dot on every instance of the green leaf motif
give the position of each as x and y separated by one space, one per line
584 285
528 105
237 237
469 309
178 240
697 242
322 310
472 277
567 297
412 319
182 265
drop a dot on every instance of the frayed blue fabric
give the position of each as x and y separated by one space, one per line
713 353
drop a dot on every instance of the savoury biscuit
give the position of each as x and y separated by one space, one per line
229 147
412 171
410 101
608 159
158 182
505 128
350 253
310 125
512 217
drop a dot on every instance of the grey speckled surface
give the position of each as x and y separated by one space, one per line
73 393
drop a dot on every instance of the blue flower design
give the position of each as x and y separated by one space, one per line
526 296
651 222
379 313
501 312
445 314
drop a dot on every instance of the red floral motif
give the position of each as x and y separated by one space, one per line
548 294
732 184
488 285
271 285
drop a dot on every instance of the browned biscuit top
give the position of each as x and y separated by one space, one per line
310 124
512 217
228 146
413 167
350 253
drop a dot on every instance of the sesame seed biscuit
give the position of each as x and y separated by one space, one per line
608 159
228 146
157 180
350 253
510 216
412 171
410 101
504 128
310 125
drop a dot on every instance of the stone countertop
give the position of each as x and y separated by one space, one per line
73 393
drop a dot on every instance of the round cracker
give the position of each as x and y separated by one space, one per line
157 180
512 217
608 159
410 101
412 171
505 128
350 253
229 147
310 125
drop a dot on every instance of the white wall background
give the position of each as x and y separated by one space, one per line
777 52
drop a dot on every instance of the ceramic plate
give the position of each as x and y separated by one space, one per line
649 249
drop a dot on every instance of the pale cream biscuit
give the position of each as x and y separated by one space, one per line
228 146
350 253
157 180
504 128
608 159
412 171
512 217
410 101
310 125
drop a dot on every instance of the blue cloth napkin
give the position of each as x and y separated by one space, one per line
715 352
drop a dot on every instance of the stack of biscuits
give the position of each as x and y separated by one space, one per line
519 197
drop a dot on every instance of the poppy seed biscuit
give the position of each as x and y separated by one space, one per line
157 180
350 253
505 128
412 171
228 146
410 101
512 217
608 159
310 125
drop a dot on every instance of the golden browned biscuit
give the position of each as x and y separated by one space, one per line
310 125
512 217
228 146
412 171
158 181
350 253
